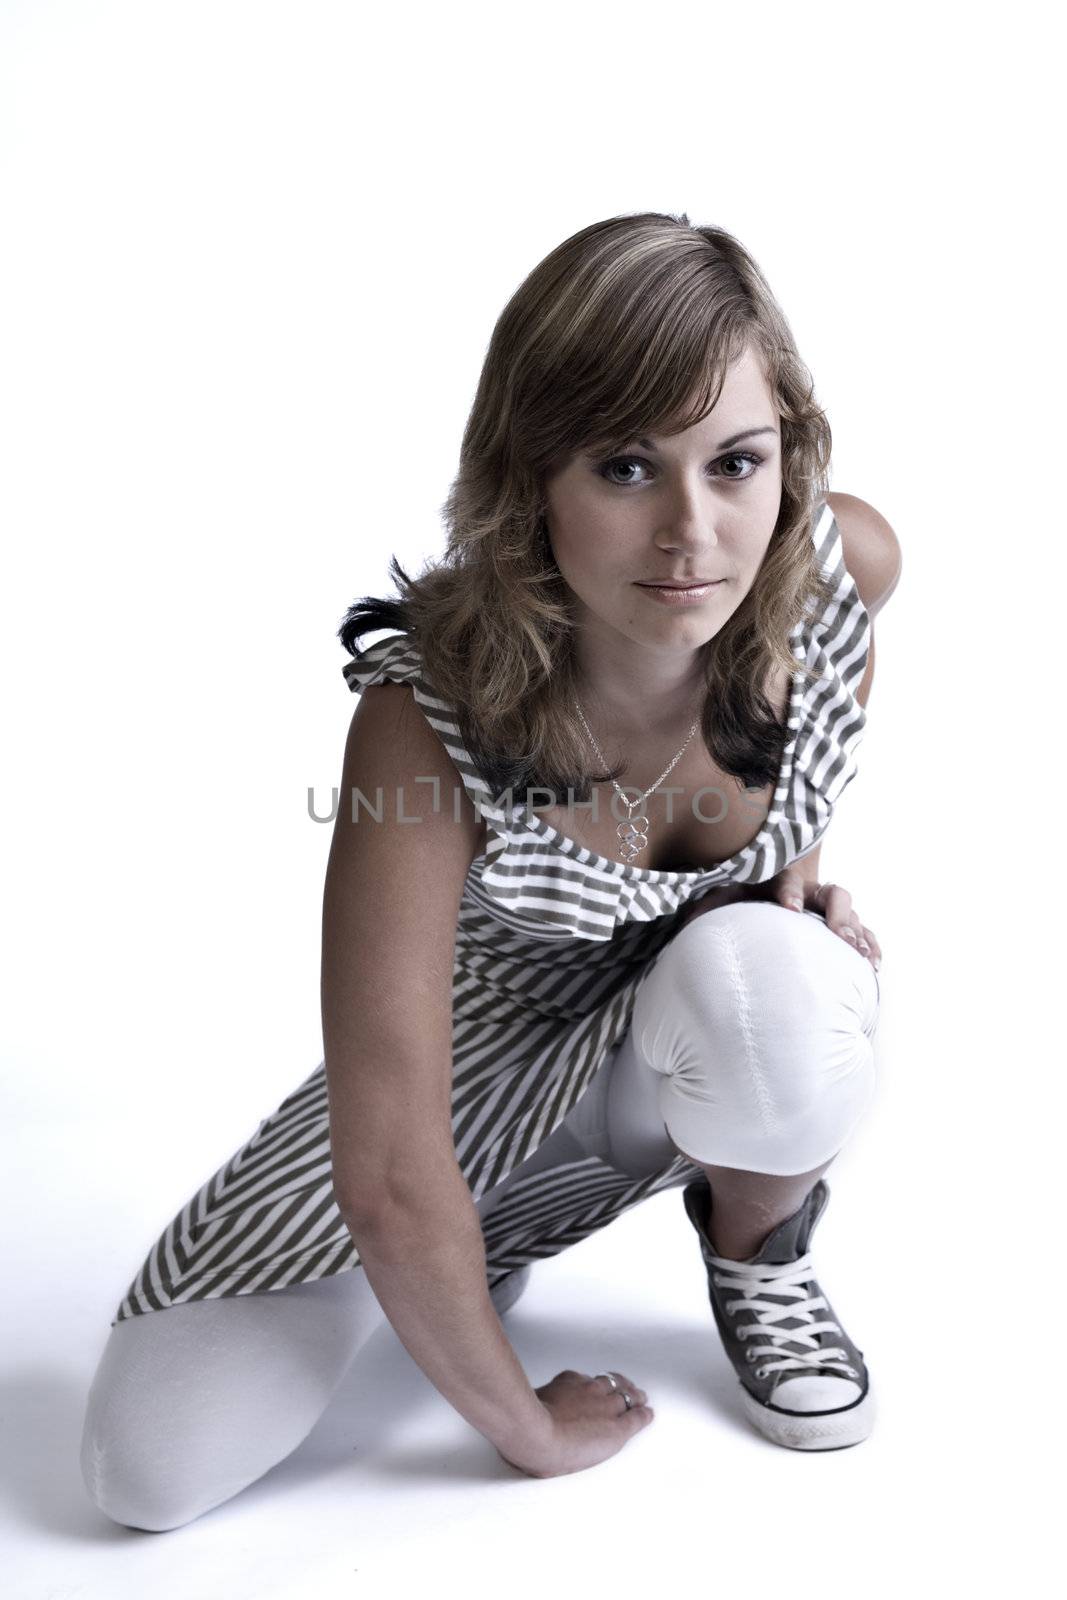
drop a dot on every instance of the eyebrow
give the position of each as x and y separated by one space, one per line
735 438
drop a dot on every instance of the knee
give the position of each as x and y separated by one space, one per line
191 1404
756 974
154 1451
124 1468
125 1490
761 1022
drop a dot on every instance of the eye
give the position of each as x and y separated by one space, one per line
606 469
742 455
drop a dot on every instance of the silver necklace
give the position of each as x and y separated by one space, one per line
633 833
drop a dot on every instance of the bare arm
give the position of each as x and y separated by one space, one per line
390 909
872 555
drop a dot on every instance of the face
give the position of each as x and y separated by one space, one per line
700 505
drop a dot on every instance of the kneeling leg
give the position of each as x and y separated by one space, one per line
192 1403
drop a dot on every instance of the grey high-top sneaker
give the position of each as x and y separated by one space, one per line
506 1290
803 1381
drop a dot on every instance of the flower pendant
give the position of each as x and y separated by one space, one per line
633 836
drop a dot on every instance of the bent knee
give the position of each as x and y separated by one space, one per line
760 1021
188 1406
140 1474
754 963
128 1494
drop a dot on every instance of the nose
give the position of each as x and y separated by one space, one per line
690 522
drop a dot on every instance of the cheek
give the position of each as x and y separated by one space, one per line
751 539
585 571
588 544
759 551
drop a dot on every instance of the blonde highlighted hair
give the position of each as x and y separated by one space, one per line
626 328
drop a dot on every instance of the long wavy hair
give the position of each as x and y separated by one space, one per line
626 328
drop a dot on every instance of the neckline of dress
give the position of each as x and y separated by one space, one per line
620 869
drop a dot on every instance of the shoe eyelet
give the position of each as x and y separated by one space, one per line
750 1355
761 1372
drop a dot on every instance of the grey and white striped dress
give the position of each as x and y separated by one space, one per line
551 943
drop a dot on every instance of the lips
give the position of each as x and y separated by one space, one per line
697 583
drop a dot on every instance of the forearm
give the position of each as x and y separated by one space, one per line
426 1265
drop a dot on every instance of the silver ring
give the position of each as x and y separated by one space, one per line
614 1385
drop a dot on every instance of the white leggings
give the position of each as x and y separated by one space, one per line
750 1047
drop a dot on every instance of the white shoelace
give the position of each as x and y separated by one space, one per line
786 1282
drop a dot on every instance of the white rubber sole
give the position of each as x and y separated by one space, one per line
827 1430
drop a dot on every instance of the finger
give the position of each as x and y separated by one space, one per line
605 1386
623 1382
817 896
837 909
789 889
836 905
855 934
636 1409
637 1394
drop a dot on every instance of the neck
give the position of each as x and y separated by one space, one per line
630 694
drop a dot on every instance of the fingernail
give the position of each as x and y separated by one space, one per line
865 948
849 933
797 905
877 963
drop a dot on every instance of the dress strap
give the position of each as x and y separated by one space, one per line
396 660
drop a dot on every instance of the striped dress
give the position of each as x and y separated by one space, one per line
552 942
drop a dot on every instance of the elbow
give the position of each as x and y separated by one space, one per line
403 1203
398 1233
366 1204
359 1210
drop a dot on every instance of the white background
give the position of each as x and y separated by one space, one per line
252 257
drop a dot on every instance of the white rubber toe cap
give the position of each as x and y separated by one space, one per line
815 1393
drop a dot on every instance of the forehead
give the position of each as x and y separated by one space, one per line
746 398
746 378
745 401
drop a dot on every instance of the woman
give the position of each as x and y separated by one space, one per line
549 999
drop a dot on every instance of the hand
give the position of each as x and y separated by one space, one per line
589 1423
788 888
834 903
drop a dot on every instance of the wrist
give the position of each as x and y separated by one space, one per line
524 1435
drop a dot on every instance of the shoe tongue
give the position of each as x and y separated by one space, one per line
789 1241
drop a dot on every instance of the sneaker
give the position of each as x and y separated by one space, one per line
803 1381
506 1290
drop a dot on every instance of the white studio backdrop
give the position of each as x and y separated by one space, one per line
252 258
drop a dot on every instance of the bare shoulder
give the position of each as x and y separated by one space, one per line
392 746
870 548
